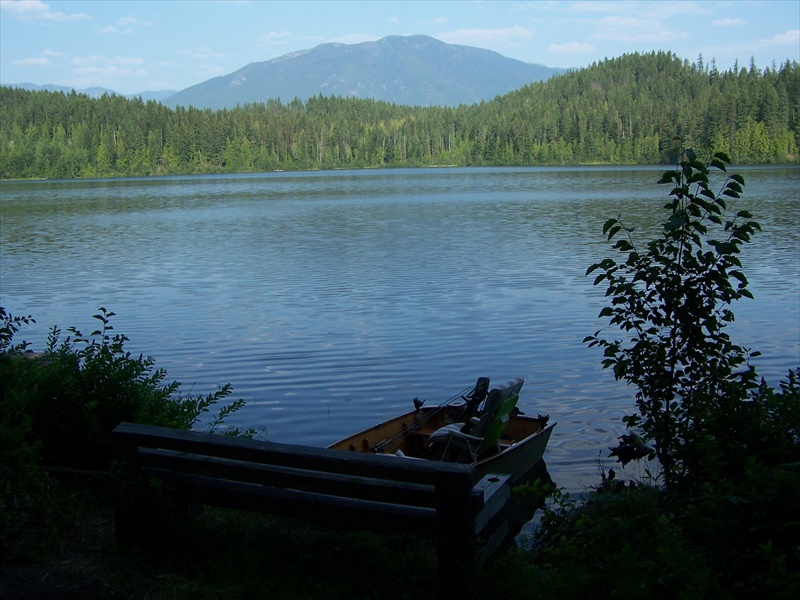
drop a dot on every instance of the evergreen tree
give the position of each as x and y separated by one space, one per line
617 111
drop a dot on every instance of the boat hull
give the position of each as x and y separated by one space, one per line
522 444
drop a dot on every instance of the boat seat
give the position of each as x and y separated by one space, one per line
481 434
475 398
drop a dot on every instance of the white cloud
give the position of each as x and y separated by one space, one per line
201 52
584 7
126 23
209 71
571 48
537 5
40 61
111 29
158 84
37 10
727 22
355 38
790 38
274 37
632 29
650 10
107 72
130 21
665 10
107 61
43 60
488 38
742 50
103 71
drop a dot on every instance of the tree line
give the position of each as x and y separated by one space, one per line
624 110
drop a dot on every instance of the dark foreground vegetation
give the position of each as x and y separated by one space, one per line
715 517
619 111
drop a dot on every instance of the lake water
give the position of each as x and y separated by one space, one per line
330 299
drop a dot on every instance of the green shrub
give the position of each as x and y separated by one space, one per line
80 388
728 448
59 407
700 410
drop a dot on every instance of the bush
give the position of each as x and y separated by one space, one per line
59 407
700 410
728 447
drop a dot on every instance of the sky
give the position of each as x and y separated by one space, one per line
146 45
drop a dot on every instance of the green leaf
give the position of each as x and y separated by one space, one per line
607 311
623 246
739 276
670 176
613 231
722 156
717 164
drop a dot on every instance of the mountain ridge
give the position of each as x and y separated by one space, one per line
92 92
414 70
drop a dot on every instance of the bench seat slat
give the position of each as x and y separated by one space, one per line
365 514
333 484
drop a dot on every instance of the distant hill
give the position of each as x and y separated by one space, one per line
93 92
157 95
413 70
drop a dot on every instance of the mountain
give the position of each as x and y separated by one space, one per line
157 95
411 70
93 92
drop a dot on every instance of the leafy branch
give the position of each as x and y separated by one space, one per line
671 300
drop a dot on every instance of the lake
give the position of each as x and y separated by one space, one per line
329 300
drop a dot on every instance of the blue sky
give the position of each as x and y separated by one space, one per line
144 45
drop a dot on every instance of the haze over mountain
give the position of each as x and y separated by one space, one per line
412 70
93 92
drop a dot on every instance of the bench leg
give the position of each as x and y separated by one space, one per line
455 536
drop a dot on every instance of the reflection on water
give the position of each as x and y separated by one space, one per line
329 300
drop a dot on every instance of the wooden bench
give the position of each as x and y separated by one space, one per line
469 519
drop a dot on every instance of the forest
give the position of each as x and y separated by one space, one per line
624 110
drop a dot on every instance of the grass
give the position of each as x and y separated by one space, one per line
68 551
628 542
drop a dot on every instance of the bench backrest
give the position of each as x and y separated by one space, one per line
203 461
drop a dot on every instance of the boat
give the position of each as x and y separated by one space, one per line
481 427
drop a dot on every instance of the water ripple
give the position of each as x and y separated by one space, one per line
330 300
